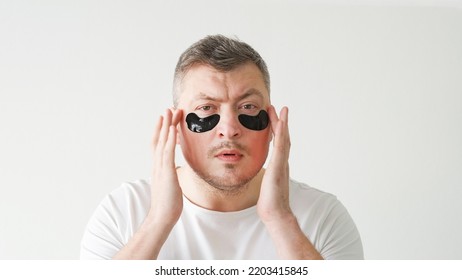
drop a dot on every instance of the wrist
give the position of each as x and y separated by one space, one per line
154 220
276 217
281 221
289 239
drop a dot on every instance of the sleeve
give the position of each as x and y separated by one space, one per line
102 238
342 239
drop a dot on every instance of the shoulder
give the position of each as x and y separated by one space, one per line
115 220
326 221
131 192
307 195
130 201
314 204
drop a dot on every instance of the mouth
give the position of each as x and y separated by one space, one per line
229 155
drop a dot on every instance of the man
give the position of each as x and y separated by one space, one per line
222 204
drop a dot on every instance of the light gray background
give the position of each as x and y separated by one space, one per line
374 92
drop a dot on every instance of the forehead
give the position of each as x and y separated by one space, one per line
205 81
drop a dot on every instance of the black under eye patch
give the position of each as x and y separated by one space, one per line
196 124
258 122
199 125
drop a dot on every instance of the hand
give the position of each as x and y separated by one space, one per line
273 203
166 194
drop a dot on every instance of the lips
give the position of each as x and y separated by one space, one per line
229 155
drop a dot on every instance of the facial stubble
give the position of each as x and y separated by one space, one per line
230 182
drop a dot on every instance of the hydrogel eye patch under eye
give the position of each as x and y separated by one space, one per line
196 124
258 122
199 125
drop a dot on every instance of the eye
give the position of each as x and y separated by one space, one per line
205 108
248 107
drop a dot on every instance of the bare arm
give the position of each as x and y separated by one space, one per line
166 194
273 203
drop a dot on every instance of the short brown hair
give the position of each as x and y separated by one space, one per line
220 52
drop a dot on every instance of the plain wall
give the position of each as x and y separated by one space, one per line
374 92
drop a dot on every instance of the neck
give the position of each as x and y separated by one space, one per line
199 192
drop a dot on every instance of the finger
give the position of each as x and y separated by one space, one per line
284 117
169 150
273 118
155 144
156 134
278 145
177 116
284 114
165 127
281 145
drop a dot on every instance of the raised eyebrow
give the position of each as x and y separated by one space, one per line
205 96
251 92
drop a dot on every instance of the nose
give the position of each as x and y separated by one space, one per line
229 127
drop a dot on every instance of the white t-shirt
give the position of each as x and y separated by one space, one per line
206 234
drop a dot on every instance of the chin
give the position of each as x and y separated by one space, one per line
229 181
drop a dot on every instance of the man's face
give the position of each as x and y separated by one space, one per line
230 155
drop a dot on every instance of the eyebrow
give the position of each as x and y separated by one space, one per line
251 92
205 96
248 93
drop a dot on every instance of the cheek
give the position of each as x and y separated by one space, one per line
193 144
260 150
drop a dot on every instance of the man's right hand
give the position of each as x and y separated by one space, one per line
166 194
